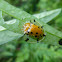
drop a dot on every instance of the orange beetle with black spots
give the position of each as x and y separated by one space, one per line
33 30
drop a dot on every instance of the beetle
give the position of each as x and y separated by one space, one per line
33 30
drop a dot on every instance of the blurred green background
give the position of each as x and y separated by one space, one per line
9 52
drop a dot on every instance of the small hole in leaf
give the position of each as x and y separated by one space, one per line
60 42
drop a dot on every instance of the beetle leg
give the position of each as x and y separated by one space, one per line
37 40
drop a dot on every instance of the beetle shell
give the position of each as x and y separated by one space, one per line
33 30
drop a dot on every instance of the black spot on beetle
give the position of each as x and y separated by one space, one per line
38 27
60 41
34 21
27 39
36 32
35 35
31 32
44 35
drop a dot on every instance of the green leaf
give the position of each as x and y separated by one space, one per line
1 19
13 11
6 36
47 16
2 28
52 35
13 25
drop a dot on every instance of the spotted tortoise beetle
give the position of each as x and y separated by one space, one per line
33 30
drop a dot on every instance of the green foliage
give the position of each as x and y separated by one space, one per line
38 53
49 5
17 51
59 23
